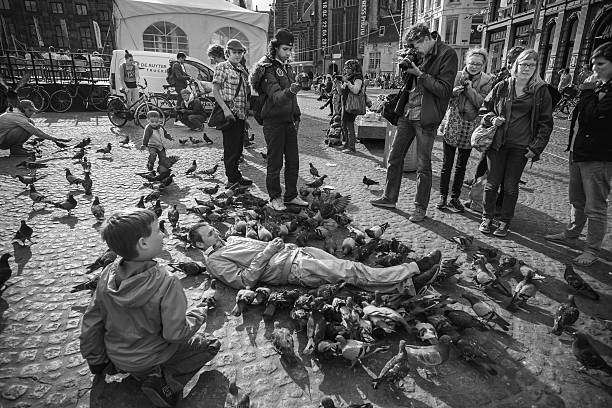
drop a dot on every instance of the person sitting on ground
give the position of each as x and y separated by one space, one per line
242 262
17 127
137 319
190 111
153 140
590 172
334 134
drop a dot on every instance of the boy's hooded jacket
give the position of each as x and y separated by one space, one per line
140 323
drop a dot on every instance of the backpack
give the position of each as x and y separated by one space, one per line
554 94
170 77
257 101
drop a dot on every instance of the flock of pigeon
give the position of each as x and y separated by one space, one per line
338 321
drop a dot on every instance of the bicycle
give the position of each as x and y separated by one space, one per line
167 101
37 94
569 100
119 112
62 99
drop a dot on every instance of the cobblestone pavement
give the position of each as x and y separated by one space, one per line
40 363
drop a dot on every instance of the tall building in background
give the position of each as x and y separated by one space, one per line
299 17
382 42
67 24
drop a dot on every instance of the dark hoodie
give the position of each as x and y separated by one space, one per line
140 323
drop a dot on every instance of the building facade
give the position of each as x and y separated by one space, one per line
564 32
63 24
299 17
382 42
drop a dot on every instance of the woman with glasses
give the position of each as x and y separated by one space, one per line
520 107
471 87
590 168
352 82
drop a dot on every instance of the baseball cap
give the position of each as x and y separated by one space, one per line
235 45
27 104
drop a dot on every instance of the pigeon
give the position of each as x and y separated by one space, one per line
471 351
103 260
317 182
587 355
348 245
330 245
86 164
211 190
463 242
68 204
195 141
486 312
153 196
355 350
97 209
140 203
192 168
162 227
35 196
578 284
149 176
61 145
280 299
5 269
566 315
238 398
183 141
395 369
524 290
23 234
327 402
27 180
105 150
87 183
209 296
210 171
377 231
358 235
72 179
125 141
30 165
244 297
82 143
79 155
369 182
282 341
433 355
157 208
327 291
166 182
91 285
463 320
313 170
206 138
443 326
188 268
488 253
173 216
315 327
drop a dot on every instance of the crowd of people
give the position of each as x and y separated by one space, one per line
514 109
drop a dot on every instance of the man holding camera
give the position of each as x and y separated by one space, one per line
422 103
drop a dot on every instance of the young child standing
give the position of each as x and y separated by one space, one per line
153 139
137 318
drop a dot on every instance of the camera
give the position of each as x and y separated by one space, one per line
410 55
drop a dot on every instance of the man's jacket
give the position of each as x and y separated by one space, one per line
192 107
181 77
439 70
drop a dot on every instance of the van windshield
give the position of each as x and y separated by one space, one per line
198 71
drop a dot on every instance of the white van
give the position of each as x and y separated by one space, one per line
154 66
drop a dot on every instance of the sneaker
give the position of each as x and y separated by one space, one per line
562 239
245 182
442 203
348 150
485 226
297 201
20 151
429 261
207 139
383 202
418 215
456 205
277 204
502 229
158 391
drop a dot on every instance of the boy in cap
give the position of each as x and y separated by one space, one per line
274 77
231 93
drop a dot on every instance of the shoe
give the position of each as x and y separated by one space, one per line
158 391
456 205
442 203
348 150
20 151
562 239
245 182
383 203
585 259
198 129
297 201
277 204
418 215
429 261
207 139
485 226
502 229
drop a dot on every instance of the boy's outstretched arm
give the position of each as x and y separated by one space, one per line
178 323
92 337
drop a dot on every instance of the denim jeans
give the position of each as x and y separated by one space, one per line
407 131
193 121
313 267
232 149
506 166
154 154
348 127
481 168
281 139
447 168
14 137
589 188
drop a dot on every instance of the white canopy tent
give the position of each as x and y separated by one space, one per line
189 26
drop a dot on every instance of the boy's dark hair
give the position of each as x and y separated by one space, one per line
416 33
181 55
513 53
216 50
123 229
604 51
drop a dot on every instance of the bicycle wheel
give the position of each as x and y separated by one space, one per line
99 97
117 112
60 101
165 104
32 94
140 116
46 99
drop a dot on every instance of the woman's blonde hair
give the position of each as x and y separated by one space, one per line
477 51
535 80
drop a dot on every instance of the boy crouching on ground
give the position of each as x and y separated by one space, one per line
138 319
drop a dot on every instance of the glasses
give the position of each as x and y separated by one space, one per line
524 65
475 64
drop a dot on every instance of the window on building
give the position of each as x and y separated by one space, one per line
374 61
85 34
422 8
5 4
30 5
436 24
290 15
223 35
103 15
56 8
81 9
451 29
60 38
438 3
33 38
526 5
476 29
165 37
